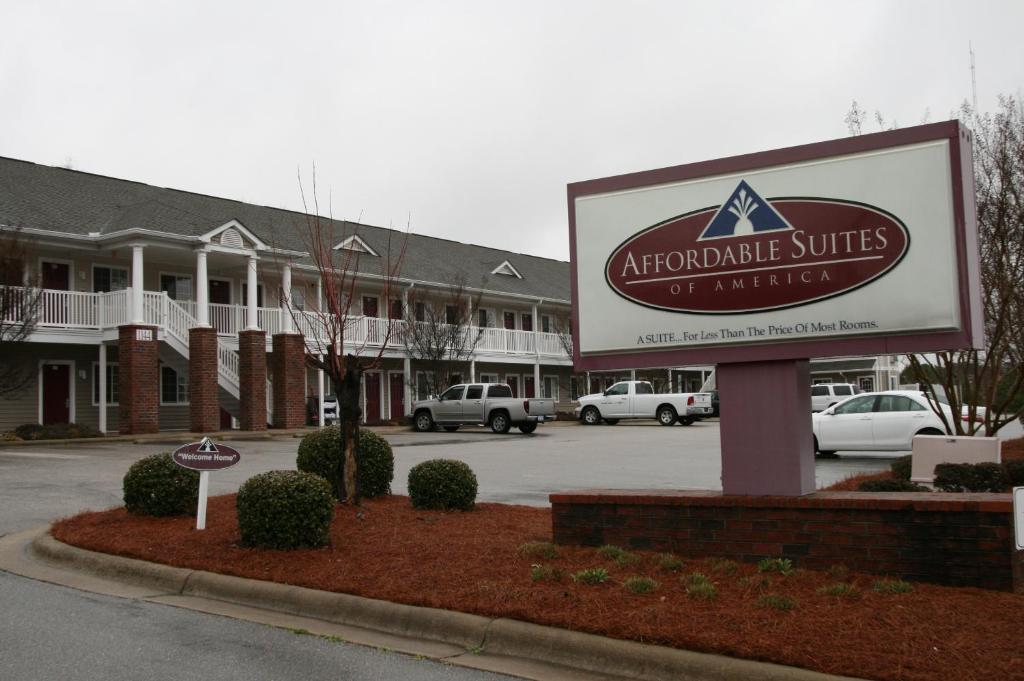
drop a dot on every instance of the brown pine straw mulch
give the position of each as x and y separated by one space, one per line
471 561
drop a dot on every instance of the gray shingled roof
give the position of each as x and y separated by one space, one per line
73 202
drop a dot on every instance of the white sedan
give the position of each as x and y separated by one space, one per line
881 421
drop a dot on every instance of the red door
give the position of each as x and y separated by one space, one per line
510 320
527 322
528 387
369 306
595 385
513 382
56 393
54 308
396 390
372 386
220 292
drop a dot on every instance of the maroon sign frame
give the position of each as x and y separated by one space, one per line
206 456
968 279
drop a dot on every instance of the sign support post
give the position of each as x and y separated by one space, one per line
204 491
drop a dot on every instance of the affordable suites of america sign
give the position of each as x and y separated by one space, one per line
859 246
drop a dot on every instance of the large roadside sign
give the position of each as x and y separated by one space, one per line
864 245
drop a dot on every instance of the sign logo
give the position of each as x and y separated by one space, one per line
205 456
752 254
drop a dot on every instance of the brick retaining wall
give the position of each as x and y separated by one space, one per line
962 540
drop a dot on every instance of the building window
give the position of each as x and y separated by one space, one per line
481 320
178 286
421 312
574 387
173 386
107 279
545 323
550 388
488 378
867 384
298 299
112 383
451 314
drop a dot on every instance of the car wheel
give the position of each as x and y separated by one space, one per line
528 427
929 431
590 416
451 429
611 422
423 422
687 420
827 454
667 416
499 422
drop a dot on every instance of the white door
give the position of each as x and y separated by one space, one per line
615 403
896 420
850 427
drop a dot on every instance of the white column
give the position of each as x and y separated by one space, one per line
251 317
537 391
670 389
407 380
320 391
286 300
319 295
472 371
202 290
138 315
632 374
103 388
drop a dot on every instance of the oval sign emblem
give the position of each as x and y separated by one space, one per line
753 255
205 456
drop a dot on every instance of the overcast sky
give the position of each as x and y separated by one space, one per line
466 120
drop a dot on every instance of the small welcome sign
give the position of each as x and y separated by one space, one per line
205 456
865 245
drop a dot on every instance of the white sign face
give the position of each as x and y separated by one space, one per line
844 247
1018 517
144 334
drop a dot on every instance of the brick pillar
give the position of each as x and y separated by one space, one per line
139 379
289 377
252 365
204 408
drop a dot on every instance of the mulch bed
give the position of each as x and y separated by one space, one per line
472 562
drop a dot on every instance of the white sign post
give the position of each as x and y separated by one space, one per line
204 456
1018 517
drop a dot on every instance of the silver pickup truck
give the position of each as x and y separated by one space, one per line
481 403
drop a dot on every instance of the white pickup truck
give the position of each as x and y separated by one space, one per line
476 403
637 400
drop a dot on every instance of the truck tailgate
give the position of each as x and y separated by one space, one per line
702 400
539 406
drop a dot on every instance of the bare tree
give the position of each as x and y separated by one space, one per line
20 298
347 354
992 378
439 332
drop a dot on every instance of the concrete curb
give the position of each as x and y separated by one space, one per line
501 645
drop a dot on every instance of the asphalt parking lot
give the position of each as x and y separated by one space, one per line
44 482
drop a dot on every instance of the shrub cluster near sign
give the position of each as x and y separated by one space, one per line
157 486
320 453
442 484
285 510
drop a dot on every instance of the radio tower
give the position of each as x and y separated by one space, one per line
974 81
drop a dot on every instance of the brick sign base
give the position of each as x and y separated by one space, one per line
958 540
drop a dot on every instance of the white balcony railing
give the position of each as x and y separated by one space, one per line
76 310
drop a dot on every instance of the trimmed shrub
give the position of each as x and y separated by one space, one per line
966 477
442 484
1014 472
29 431
320 451
901 467
890 485
157 486
285 510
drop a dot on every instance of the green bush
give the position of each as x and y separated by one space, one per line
442 484
55 431
285 510
157 486
1014 472
967 477
890 485
591 576
320 451
901 467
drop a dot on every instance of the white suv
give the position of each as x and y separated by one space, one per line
824 395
